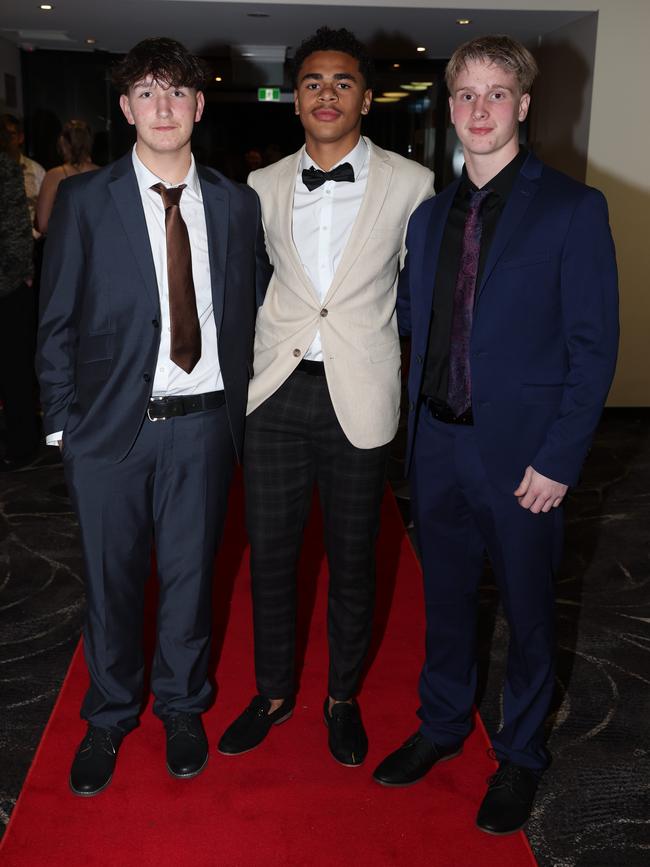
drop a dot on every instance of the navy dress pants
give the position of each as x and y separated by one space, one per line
460 516
171 492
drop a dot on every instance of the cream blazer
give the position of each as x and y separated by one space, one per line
357 319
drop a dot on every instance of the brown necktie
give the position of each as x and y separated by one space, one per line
185 348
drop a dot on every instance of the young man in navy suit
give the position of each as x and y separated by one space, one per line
510 296
148 302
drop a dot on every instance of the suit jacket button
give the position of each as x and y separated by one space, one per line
419 359
155 323
146 377
323 312
296 353
411 406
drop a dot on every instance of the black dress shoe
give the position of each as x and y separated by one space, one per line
412 761
253 725
187 745
347 737
506 806
93 765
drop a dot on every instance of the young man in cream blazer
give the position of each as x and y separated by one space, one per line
324 401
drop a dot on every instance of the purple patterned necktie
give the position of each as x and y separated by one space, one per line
459 391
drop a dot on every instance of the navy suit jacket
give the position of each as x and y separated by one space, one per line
100 310
545 329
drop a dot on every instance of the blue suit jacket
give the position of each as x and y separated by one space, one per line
545 329
100 311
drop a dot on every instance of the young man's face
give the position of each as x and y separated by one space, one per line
486 109
330 97
163 115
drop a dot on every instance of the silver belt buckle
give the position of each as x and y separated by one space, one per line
161 400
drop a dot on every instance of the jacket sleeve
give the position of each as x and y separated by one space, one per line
589 297
60 302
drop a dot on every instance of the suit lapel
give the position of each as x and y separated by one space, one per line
123 188
216 204
523 193
284 193
379 175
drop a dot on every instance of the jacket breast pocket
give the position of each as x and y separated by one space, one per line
526 261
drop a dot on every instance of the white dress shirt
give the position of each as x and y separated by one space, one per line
322 222
169 379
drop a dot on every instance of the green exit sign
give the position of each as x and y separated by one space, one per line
268 94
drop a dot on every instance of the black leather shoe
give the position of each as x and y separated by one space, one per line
93 765
347 738
253 725
506 806
187 745
412 761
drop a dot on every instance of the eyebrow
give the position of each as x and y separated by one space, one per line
338 76
490 87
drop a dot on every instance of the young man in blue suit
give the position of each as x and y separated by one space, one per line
510 297
145 353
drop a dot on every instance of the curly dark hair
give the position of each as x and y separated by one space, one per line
326 39
165 60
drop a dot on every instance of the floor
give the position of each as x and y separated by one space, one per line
593 807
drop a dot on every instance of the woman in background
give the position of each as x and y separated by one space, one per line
75 146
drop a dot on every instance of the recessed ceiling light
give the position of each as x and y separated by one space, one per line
463 21
218 78
91 40
385 99
411 87
420 48
46 7
394 94
423 83
395 65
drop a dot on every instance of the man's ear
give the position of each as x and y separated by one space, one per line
367 100
200 105
125 105
524 103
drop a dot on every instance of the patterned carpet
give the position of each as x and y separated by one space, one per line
593 808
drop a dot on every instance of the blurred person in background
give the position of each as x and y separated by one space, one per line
33 172
16 313
75 147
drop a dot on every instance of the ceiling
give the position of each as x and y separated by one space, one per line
210 27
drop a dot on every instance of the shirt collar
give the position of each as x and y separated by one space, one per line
357 158
146 178
503 182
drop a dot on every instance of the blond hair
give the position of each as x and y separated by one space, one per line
501 50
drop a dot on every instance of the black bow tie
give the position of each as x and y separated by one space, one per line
313 178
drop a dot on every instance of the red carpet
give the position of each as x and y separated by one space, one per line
287 803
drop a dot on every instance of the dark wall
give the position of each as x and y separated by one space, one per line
60 85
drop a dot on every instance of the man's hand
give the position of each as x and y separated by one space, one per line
539 494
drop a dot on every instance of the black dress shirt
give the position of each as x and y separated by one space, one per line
436 369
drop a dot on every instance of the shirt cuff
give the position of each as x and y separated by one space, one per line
54 439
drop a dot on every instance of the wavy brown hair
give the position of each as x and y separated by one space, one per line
163 60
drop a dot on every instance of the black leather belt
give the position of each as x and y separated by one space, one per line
313 368
443 413
162 408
